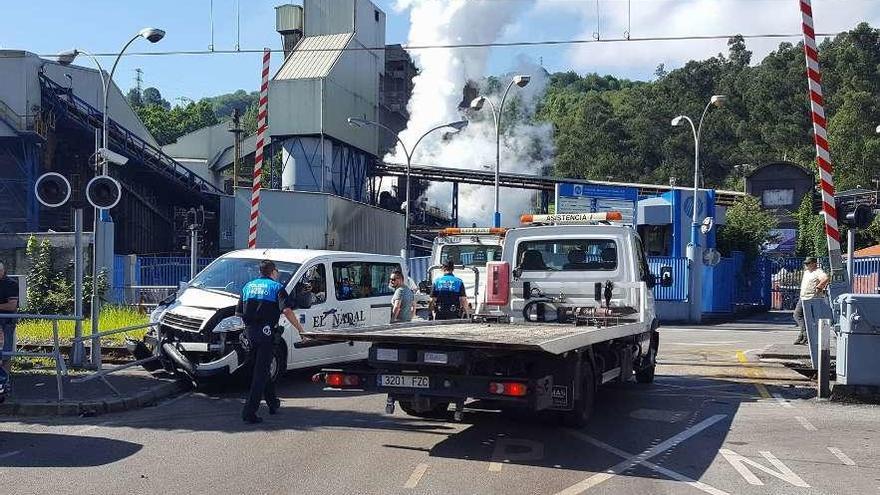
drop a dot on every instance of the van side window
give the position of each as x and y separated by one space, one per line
315 281
359 279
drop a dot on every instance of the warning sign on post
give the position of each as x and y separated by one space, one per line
594 198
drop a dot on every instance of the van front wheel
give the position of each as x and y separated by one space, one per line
279 363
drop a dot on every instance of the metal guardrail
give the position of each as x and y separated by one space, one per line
60 365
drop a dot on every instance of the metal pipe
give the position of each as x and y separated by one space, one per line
77 357
850 252
58 381
497 217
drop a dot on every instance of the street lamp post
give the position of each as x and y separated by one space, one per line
153 35
694 250
457 126
477 104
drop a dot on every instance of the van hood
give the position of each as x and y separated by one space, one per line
200 298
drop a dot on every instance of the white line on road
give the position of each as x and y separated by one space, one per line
91 427
840 455
10 454
637 459
416 476
806 424
782 402
699 485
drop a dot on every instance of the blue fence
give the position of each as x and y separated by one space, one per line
678 291
166 270
418 267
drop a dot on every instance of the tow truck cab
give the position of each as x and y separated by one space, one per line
576 311
470 249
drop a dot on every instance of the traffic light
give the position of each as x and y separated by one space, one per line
52 189
859 217
103 192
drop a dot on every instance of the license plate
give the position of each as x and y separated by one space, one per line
404 381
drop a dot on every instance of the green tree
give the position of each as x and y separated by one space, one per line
152 96
40 278
747 229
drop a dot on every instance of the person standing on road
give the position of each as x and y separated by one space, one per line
8 305
448 297
263 301
812 285
403 302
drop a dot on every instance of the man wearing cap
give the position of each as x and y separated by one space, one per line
448 297
812 285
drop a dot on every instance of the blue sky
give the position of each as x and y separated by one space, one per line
45 27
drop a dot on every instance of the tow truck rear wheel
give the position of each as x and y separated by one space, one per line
438 411
583 407
646 374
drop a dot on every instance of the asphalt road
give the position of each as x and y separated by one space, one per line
715 421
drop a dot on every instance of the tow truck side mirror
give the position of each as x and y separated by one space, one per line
666 276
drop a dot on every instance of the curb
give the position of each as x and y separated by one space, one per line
143 398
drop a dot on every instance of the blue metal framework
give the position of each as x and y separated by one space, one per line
18 205
344 171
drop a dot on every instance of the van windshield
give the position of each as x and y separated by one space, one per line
567 255
473 255
230 274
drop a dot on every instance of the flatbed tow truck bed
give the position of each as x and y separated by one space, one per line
553 338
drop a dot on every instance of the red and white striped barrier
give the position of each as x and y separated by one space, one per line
823 157
258 157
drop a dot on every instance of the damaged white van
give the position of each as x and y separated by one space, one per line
199 334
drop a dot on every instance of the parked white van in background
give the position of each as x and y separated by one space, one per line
199 334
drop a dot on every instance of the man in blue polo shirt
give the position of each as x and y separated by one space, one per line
448 297
263 301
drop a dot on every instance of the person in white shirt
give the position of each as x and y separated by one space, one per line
812 285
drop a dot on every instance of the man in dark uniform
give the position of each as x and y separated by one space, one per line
263 301
448 297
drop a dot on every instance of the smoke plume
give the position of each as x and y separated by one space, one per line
525 147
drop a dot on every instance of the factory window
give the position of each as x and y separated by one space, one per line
376 15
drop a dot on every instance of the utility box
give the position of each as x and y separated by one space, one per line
858 344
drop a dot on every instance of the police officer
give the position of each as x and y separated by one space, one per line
263 301
448 297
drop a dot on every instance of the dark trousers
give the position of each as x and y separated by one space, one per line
262 386
799 319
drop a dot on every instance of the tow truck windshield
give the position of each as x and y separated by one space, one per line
230 274
470 255
567 255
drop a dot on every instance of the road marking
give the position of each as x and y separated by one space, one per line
840 455
529 451
782 471
416 476
650 465
10 454
92 427
753 373
782 402
806 424
643 456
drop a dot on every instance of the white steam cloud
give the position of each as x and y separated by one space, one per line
438 91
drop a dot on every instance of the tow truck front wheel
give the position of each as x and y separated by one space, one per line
437 411
646 374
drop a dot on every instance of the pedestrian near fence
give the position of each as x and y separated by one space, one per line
812 286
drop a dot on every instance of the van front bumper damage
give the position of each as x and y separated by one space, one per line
219 367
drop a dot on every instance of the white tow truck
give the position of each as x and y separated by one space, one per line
576 312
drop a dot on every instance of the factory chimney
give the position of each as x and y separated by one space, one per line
289 23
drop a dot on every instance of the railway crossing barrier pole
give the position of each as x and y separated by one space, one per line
823 382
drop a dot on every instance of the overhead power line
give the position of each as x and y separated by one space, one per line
496 44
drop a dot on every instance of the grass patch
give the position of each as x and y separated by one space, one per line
40 331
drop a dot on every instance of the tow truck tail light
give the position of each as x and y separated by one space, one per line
341 380
497 283
511 389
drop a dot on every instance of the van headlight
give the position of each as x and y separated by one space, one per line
157 313
230 324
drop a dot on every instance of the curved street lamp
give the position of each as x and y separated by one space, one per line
694 251
456 126
477 103
153 35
